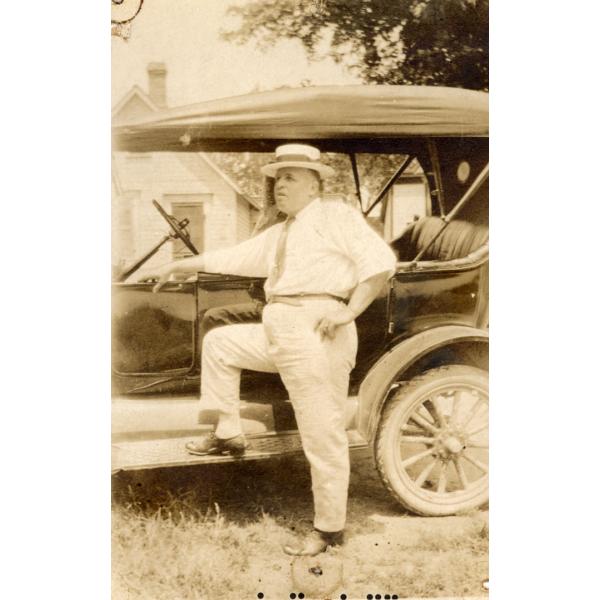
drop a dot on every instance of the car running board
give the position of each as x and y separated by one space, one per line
170 452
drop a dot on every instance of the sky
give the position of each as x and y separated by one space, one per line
184 34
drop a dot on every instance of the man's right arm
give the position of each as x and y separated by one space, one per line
248 259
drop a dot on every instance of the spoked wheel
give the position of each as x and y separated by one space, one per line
431 446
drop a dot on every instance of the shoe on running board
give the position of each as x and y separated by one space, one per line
211 444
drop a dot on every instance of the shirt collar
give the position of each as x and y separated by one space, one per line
310 208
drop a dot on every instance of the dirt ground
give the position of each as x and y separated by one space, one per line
216 532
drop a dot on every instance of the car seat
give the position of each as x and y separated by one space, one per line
458 240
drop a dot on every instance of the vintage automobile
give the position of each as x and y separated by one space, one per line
419 392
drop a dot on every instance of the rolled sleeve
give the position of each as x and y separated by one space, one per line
248 259
363 245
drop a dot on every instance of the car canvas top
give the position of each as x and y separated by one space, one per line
330 116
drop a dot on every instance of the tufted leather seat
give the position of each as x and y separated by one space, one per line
458 240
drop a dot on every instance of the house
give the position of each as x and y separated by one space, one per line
187 185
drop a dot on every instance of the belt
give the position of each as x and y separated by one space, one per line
295 299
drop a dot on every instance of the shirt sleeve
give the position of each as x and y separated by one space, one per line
248 259
362 244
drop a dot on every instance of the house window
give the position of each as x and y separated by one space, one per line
191 207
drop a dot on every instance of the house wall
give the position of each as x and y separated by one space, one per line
169 177
221 218
244 224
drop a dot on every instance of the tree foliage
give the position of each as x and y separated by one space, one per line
373 169
427 42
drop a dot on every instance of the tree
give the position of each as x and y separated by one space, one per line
374 170
432 42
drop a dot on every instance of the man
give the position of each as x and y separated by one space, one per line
324 265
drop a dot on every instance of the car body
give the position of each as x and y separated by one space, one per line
418 394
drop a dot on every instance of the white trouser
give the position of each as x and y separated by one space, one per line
315 373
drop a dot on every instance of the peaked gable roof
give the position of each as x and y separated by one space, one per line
135 92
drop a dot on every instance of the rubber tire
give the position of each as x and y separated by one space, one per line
396 409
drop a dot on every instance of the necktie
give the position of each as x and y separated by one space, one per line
281 247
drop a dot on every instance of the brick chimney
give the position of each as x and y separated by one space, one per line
157 83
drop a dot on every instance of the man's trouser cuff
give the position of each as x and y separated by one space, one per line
228 426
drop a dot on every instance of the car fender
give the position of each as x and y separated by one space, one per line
386 371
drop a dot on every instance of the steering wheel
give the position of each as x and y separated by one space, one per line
178 227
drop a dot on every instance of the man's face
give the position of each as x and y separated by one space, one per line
294 189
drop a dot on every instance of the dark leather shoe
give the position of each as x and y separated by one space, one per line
315 543
211 444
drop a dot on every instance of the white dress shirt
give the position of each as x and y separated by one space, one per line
330 249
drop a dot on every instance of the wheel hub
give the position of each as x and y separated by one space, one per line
453 445
448 443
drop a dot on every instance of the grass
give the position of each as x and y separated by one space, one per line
216 532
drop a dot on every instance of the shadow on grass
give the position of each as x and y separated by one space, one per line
244 492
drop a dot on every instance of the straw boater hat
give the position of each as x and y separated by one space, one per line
297 155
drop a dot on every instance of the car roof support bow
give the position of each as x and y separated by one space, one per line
356 178
390 182
438 192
